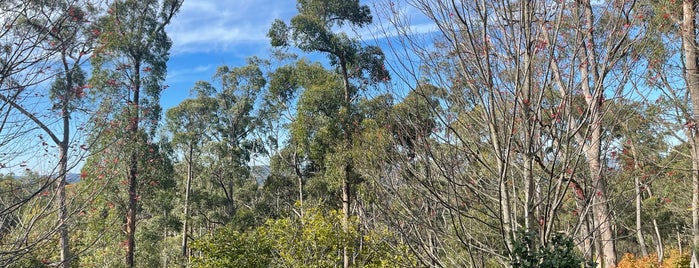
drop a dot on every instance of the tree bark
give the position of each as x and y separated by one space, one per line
592 141
190 176
62 209
347 169
639 222
133 168
63 170
691 76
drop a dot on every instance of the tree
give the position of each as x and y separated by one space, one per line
190 124
129 66
60 29
234 141
674 43
519 133
312 30
690 52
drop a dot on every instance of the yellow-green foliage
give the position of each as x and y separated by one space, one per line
316 239
674 259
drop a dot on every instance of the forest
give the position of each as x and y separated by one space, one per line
510 133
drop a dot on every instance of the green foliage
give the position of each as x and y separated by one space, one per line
314 240
559 252
231 248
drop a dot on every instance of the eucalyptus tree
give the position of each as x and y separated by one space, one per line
316 29
690 53
234 142
671 66
190 123
520 137
216 134
129 66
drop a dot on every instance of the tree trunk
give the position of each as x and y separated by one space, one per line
299 175
63 173
585 241
659 245
133 169
602 217
691 76
348 141
185 225
131 212
62 210
592 141
639 199
639 222
695 201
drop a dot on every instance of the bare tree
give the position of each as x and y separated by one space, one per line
519 135
38 36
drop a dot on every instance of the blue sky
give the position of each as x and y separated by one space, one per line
210 33
207 34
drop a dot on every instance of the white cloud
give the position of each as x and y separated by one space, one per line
218 26
185 74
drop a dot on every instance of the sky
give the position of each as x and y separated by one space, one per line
210 33
207 34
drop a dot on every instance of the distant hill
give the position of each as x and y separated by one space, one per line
260 173
73 177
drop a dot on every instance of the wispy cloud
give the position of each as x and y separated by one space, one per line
185 74
219 26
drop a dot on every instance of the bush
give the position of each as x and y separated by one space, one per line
315 240
559 252
674 259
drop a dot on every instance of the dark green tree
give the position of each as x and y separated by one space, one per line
315 29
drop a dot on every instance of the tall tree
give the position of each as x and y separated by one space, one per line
690 51
314 29
129 65
234 141
191 123
66 27
673 43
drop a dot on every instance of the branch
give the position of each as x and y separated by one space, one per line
36 120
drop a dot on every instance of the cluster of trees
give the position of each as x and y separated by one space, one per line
515 133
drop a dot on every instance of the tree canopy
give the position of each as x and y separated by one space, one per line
499 133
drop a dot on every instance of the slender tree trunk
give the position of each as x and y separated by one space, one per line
63 173
528 104
639 199
345 216
691 76
131 212
190 176
299 175
347 169
639 222
695 201
62 210
659 245
133 169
